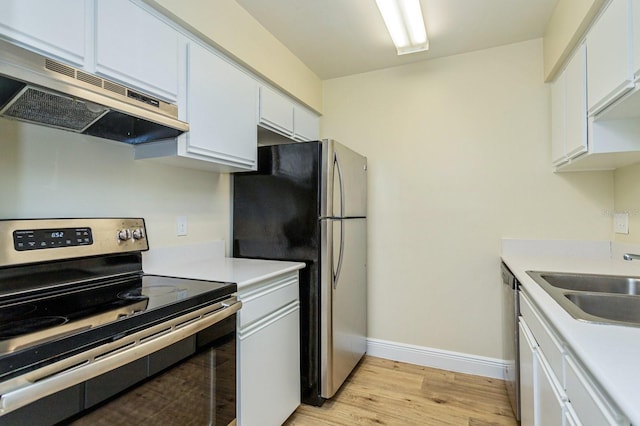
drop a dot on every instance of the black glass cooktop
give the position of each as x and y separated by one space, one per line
38 328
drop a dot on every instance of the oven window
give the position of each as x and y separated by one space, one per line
198 390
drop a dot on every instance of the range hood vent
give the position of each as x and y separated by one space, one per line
40 90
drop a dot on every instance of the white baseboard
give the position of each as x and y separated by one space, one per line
437 358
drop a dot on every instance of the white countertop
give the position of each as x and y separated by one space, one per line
207 262
610 352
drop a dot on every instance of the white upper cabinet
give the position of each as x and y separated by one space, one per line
576 104
129 42
220 102
276 112
136 48
635 15
282 115
558 121
305 125
569 130
609 61
53 28
221 110
608 136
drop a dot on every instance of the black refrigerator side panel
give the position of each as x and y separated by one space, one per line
310 334
275 216
276 209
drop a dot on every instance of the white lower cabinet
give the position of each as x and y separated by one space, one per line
551 396
542 396
527 375
570 417
269 351
554 388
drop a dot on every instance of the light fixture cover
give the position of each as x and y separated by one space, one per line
405 24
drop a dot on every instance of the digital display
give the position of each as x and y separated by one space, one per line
37 239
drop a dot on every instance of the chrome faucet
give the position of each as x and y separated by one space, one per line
631 256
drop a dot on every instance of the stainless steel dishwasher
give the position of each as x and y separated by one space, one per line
510 340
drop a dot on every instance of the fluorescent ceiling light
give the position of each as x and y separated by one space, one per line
404 22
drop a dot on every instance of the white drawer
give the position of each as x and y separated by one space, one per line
261 300
590 405
550 345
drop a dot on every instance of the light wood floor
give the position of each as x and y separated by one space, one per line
383 392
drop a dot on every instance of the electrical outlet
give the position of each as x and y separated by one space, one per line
621 223
181 225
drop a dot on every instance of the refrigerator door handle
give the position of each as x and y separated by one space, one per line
336 274
336 161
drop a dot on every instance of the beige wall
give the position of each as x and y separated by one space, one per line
227 25
566 27
627 199
458 152
51 173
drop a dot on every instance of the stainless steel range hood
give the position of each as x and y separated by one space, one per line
40 90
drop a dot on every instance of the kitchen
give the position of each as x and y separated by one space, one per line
458 152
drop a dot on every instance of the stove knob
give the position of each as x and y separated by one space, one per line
124 235
138 234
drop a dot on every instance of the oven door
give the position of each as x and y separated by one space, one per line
197 390
188 378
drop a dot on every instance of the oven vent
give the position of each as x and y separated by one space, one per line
90 79
59 68
115 88
63 69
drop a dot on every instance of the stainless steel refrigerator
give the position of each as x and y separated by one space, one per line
308 202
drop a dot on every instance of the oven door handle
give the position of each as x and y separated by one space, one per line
30 387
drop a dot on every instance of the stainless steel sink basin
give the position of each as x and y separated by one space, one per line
594 283
606 299
616 308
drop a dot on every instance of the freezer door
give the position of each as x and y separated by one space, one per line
344 182
343 300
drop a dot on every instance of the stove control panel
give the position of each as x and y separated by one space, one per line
127 234
38 239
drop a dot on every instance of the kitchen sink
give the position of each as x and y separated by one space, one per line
605 299
594 283
616 308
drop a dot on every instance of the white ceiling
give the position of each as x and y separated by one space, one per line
335 38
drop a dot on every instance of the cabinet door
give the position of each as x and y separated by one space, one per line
550 400
136 48
570 417
52 28
221 110
635 10
527 375
276 112
269 369
590 405
558 122
575 78
305 125
609 69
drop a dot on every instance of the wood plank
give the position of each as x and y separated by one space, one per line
386 392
